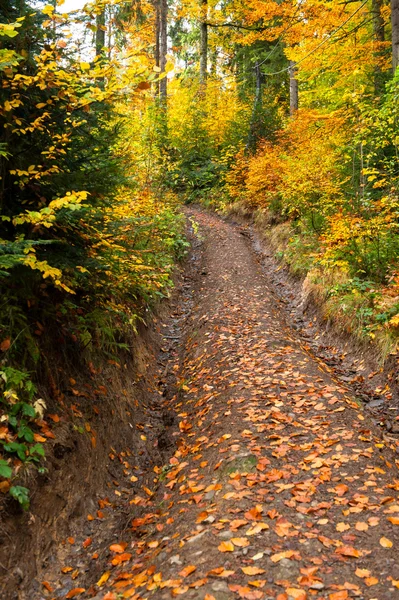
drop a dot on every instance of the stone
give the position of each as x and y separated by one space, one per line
220 586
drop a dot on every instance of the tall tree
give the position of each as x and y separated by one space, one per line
294 93
204 42
100 32
379 38
163 47
395 33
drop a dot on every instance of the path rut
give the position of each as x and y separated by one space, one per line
278 486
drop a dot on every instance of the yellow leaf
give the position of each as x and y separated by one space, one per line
226 547
48 9
252 570
240 542
386 543
104 578
85 66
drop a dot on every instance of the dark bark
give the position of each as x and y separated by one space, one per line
100 33
379 38
294 97
204 42
395 33
157 40
163 47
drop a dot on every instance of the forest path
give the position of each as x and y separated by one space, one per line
280 487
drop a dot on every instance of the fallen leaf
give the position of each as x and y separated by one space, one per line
118 548
362 573
348 551
241 542
280 555
187 571
75 592
252 570
385 542
342 595
104 578
296 593
226 547
48 586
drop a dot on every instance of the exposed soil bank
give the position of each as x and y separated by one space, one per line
108 430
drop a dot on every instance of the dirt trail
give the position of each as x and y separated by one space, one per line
277 485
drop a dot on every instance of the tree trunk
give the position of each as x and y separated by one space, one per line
395 33
100 33
163 46
157 40
204 42
379 38
294 100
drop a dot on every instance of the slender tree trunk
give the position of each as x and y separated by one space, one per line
294 98
163 47
109 32
100 33
204 42
157 40
379 38
395 33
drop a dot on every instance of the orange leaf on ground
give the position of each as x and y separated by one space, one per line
226 547
385 542
296 594
178 591
87 543
280 555
342 595
362 573
75 592
187 571
48 586
241 542
348 551
252 570
120 558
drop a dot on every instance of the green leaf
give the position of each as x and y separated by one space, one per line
21 495
25 432
37 449
19 449
5 470
28 410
